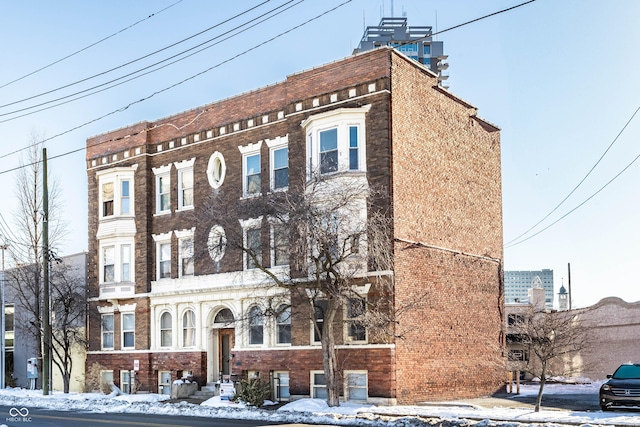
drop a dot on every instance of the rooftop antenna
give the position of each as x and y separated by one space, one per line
436 24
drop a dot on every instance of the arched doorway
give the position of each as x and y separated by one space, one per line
222 340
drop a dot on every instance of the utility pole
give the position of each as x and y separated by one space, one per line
3 327
46 356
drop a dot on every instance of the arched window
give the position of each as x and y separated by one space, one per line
189 329
224 318
256 326
166 330
283 323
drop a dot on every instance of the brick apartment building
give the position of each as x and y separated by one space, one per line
160 298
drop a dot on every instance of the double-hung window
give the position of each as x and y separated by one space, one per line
189 329
354 160
128 330
320 307
256 326
329 151
107 199
355 385
185 252
107 331
356 310
125 197
108 264
166 329
252 242
185 183
164 260
279 162
283 324
280 244
252 174
125 263
163 189
318 385
251 169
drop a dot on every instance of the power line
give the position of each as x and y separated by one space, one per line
252 21
209 69
165 89
508 244
580 205
127 63
89 46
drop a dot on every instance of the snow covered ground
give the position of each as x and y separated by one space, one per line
316 411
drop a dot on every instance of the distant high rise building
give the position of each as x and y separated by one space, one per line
415 42
518 283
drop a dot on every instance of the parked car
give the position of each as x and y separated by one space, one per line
622 388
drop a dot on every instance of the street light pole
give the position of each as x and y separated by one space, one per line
3 327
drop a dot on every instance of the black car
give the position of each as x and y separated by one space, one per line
622 388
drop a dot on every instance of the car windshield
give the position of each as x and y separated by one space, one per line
625 372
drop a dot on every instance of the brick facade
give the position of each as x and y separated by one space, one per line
440 165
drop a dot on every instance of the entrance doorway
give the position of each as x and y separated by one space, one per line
225 344
223 333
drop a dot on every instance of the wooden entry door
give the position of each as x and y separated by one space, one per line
225 344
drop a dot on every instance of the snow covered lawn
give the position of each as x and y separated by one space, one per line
316 411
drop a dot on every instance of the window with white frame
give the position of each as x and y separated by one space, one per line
279 244
107 331
163 255
318 385
116 262
320 307
166 329
355 385
164 260
216 170
125 197
252 241
185 183
115 192
163 189
185 252
283 325
279 162
128 330
107 199
189 328
125 382
256 326
251 169
281 386
108 264
125 263
336 141
356 309
252 174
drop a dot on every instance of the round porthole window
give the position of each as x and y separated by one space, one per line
217 243
216 170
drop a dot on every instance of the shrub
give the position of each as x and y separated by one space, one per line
253 392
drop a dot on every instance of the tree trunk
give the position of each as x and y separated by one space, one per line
543 380
329 355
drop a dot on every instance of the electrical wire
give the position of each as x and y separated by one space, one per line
131 62
168 88
89 46
579 184
206 45
202 72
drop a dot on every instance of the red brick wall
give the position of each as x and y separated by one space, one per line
447 198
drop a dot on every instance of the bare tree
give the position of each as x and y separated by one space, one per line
336 235
25 236
551 339
68 297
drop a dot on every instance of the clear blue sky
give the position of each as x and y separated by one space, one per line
560 78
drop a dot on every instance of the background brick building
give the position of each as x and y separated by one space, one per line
162 295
